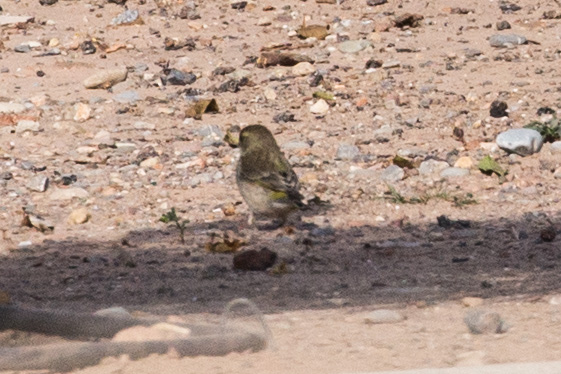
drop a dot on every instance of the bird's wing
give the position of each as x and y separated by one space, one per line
278 176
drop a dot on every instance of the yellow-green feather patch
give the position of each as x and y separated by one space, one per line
278 195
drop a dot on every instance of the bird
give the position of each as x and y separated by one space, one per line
264 176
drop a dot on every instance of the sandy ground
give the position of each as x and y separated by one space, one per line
368 251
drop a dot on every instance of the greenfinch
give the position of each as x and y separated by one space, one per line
265 179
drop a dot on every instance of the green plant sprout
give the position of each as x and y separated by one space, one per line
171 216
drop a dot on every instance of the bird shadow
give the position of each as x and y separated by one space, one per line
317 266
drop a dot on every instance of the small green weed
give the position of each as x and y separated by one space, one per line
170 217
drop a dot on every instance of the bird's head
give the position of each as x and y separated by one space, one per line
256 136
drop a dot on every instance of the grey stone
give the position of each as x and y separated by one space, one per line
203 178
502 41
322 231
239 74
12 108
22 48
503 25
347 152
454 172
392 173
296 145
114 312
425 103
141 125
383 316
427 88
432 166
125 146
50 52
38 183
472 53
353 46
128 16
27 125
555 147
140 67
411 152
391 64
13 20
218 176
520 141
106 78
178 78
127 97
212 141
207 130
484 322
69 193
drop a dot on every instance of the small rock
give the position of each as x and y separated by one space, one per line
520 141
375 2
285 117
347 152
509 8
502 41
125 146
150 163
38 183
303 68
141 125
103 137
354 46
114 312
555 300
22 48
391 64
127 17
253 260
503 25
454 172
472 301
69 193
14 20
178 78
82 112
483 322
464 162
127 97
106 79
296 145
548 234
210 130
408 20
79 216
270 94
555 147
86 150
383 316
158 331
11 108
263 21
392 173
27 125
432 167
320 107
498 109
